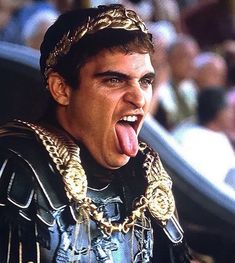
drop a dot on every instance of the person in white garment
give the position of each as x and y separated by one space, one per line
205 142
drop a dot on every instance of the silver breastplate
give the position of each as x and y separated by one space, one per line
85 242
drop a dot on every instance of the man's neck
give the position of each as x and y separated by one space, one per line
97 175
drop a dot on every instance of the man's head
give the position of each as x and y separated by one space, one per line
181 54
35 27
81 34
98 69
211 70
213 109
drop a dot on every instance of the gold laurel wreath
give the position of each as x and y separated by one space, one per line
65 154
116 17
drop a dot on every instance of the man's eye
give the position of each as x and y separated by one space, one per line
113 81
146 81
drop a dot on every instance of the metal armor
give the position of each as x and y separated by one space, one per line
39 224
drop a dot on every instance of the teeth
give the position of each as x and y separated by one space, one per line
129 118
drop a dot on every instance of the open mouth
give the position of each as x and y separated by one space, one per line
132 120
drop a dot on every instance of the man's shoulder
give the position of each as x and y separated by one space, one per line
26 173
14 127
19 142
14 132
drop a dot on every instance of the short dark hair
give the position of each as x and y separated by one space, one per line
210 101
89 45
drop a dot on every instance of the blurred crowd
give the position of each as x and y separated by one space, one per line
194 93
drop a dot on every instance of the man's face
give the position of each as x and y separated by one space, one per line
108 108
181 60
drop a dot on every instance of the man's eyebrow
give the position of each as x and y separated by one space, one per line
149 75
112 74
121 75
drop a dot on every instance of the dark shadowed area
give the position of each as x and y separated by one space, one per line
22 92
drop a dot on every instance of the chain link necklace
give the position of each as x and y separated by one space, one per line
65 154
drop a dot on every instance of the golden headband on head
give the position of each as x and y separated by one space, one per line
116 17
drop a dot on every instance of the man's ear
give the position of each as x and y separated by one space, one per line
59 90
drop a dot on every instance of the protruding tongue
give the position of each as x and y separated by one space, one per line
127 138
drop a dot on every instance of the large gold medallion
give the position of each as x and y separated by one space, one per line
160 200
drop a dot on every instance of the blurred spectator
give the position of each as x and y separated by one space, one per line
168 10
227 49
164 34
10 27
36 26
163 31
205 142
177 96
211 70
14 15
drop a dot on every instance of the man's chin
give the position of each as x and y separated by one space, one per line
118 163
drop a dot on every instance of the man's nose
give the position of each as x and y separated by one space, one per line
135 95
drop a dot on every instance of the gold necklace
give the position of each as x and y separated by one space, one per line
65 154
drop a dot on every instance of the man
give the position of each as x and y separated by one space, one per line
206 138
211 70
35 27
177 96
77 186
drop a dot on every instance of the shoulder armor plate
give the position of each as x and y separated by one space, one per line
22 174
